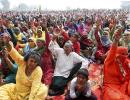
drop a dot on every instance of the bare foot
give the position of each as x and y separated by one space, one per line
49 98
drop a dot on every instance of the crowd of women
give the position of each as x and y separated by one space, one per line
48 53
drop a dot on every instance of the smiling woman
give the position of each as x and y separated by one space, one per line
28 79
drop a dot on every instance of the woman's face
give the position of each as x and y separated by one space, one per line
31 62
40 44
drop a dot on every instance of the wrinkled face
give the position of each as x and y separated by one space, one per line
40 44
81 79
67 49
31 62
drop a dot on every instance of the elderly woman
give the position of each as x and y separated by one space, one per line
28 79
46 60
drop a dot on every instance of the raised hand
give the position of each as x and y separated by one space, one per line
118 34
54 37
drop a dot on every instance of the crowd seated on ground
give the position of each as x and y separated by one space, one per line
65 55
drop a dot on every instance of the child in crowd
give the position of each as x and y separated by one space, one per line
80 87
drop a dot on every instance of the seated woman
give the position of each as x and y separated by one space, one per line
28 79
116 72
80 87
9 68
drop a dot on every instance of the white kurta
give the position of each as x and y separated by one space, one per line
65 63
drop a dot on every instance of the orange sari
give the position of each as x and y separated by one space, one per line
116 75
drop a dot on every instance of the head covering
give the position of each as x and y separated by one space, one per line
118 26
39 27
106 29
39 30
83 71
5 34
106 33
122 50
32 39
68 44
40 39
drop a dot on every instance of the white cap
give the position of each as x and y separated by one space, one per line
68 44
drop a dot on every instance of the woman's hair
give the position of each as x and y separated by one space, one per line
35 55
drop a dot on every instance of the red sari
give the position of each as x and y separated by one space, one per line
47 65
115 86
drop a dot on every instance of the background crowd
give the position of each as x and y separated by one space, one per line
58 49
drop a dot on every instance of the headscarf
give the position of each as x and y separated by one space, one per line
42 49
68 44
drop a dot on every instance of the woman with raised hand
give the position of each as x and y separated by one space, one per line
117 71
28 79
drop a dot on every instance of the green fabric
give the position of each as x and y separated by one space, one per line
112 32
40 50
101 32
